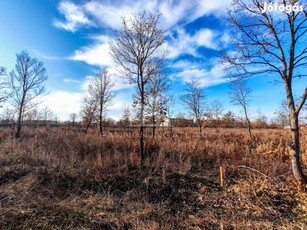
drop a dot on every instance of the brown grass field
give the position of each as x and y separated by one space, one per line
61 178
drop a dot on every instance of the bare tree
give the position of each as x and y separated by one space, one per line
2 71
126 117
262 120
31 116
46 115
194 100
73 118
241 95
216 113
156 100
282 118
88 111
100 90
136 50
4 94
271 43
169 113
27 83
8 115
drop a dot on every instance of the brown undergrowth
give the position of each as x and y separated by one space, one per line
56 178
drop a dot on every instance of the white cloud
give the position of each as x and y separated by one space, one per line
183 64
109 13
74 17
184 43
69 80
213 76
173 13
120 101
47 57
96 54
205 37
63 103
119 82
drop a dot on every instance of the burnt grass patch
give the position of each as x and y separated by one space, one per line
12 176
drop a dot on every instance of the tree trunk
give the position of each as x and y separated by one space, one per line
100 124
142 132
295 149
295 135
248 124
87 126
100 117
249 128
18 126
153 127
19 121
200 130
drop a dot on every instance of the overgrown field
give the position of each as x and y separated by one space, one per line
61 178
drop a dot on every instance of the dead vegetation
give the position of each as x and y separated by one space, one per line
64 179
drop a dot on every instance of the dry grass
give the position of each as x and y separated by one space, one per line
64 179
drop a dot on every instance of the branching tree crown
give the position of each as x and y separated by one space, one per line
99 96
27 83
271 43
4 94
194 100
137 49
241 95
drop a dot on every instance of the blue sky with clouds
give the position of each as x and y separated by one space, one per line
71 38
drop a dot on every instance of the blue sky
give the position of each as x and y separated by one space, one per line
71 38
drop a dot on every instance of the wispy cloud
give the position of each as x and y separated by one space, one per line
70 80
96 54
75 17
109 13
207 77
47 57
184 43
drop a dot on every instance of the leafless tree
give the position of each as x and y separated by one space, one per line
261 120
215 113
88 111
31 116
8 115
194 100
241 95
282 118
169 113
156 100
27 83
4 94
46 114
272 43
126 117
136 49
100 90
73 118
2 71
